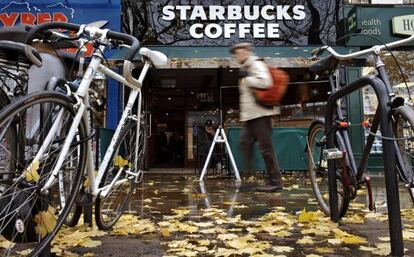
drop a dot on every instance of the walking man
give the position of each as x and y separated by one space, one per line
254 74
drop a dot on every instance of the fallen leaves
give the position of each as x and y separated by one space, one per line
45 221
306 240
5 244
283 249
305 216
119 161
31 174
133 225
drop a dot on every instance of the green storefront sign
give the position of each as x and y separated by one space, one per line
386 24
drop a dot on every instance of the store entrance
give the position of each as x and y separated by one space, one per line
179 102
166 140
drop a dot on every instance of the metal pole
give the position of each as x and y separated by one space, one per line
391 184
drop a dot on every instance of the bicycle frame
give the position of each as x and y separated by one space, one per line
384 119
359 171
81 108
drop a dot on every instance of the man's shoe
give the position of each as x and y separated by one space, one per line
269 188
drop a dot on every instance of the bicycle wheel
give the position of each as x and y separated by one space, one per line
318 169
404 128
109 209
29 218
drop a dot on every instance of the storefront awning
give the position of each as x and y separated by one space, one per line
213 57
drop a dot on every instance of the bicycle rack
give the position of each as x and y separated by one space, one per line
393 201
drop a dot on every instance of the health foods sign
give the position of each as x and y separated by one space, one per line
205 19
225 22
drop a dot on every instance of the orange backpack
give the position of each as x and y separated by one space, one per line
273 95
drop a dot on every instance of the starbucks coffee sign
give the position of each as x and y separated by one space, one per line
209 18
403 25
227 22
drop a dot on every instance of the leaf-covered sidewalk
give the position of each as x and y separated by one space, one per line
177 216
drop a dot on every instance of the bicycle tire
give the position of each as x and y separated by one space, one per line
18 107
401 114
314 154
100 217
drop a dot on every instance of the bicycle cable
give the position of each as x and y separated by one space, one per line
387 138
389 50
76 56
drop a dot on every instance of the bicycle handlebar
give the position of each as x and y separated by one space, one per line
374 49
128 39
34 31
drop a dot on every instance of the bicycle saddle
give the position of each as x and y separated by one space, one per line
11 48
157 58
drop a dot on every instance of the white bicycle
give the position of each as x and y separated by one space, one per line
52 151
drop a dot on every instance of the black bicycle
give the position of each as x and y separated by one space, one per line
335 176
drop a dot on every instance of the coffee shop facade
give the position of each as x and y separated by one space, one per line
196 35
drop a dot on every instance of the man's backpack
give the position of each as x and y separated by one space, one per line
269 97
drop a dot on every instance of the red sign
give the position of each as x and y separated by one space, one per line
11 19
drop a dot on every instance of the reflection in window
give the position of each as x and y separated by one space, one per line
406 61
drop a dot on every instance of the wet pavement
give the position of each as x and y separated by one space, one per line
220 216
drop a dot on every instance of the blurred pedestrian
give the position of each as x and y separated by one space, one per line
254 74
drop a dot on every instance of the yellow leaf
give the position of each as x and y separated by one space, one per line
165 232
119 161
324 250
383 249
203 224
199 195
45 221
6 244
305 216
241 206
283 249
354 219
89 243
56 249
88 254
224 252
30 174
230 203
178 244
205 242
250 250
351 239
357 205
408 235
367 249
335 241
208 231
306 240
24 252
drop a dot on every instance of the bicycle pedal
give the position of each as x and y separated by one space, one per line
333 154
367 181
